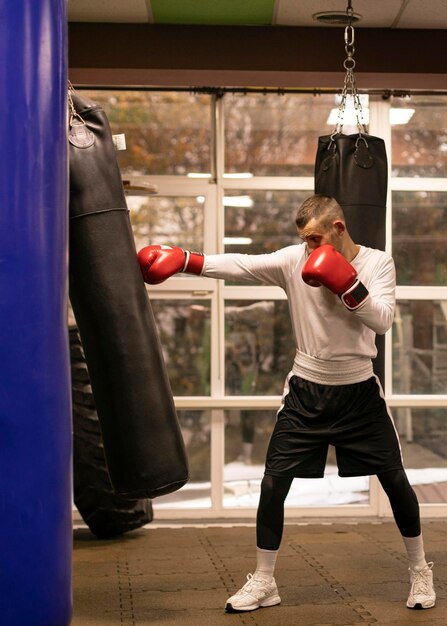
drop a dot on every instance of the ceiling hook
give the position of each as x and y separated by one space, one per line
349 13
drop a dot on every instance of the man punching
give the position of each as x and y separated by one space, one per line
340 296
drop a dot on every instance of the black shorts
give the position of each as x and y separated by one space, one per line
353 418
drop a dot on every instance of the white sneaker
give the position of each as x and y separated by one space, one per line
422 594
257 592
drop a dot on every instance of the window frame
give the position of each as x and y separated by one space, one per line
213 190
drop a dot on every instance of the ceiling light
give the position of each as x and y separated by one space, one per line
336 18
400 116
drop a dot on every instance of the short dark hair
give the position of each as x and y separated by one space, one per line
325 209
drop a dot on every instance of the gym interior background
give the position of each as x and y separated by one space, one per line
221 111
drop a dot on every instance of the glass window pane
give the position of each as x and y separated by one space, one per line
259 347
257 222
419 136
423 435
196 494
420 237
420 347
247 434
184 330
168 220
166 132
272 135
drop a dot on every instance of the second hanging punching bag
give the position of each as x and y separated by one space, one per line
143 445
353 169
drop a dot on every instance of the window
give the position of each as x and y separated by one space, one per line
259 347
167 220
271 135
260 221
229 174
420 237
420 347
166 132
419 136
184 330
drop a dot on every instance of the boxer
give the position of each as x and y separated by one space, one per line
340 296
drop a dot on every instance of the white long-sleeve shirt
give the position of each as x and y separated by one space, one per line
334 345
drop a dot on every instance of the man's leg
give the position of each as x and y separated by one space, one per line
260 588
405 507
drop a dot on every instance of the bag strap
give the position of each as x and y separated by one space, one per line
79 135
74 115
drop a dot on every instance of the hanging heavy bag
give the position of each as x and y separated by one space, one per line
106 513
353 169
143 445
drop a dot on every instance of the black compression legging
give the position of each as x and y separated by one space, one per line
270 517
403 500
274 490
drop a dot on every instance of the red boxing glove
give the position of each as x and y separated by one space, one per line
157 263
325 266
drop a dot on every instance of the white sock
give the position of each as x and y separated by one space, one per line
415 551
265 562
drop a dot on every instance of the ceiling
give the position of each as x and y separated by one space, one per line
403 14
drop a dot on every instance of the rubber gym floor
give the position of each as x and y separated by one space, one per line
328 574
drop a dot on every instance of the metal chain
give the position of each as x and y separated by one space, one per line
349 85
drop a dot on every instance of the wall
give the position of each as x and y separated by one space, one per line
278 56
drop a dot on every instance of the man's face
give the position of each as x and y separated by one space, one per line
315 234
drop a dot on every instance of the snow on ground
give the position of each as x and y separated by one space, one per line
242 485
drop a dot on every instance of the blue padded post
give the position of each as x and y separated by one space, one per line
35 404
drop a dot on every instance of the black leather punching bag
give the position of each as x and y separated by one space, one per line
143 445
353 169
105 512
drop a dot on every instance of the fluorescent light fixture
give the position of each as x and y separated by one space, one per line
240 241
243 202
400 116
238 175
198 175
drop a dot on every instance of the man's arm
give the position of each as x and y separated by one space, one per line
158 263
370 297
268 269
378 311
